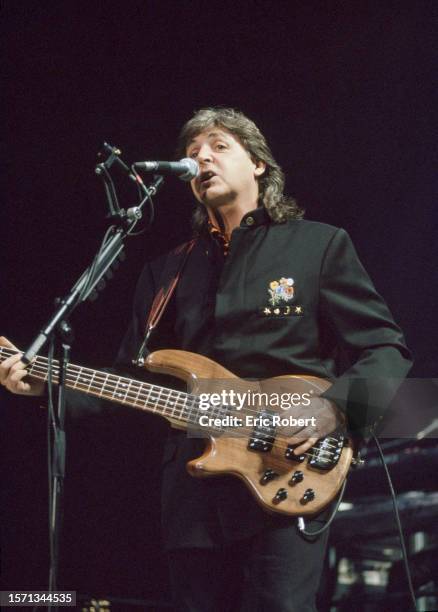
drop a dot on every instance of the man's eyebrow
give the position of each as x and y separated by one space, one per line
210 135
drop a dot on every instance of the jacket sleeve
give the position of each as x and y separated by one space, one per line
364 326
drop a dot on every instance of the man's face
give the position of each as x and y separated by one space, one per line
227 172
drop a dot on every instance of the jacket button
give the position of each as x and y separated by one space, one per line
250 221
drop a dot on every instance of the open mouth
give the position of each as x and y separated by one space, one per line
206 176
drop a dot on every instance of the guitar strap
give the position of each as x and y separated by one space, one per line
170 276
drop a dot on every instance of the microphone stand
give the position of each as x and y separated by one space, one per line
90 282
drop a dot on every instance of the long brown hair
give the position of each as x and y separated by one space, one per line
271 182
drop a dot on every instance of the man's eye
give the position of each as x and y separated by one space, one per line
221 146
194 155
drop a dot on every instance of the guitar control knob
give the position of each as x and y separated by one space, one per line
280 496
268 476
309 495
297 476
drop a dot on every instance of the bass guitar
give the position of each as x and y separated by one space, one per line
252 442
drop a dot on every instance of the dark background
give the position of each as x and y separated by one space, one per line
343 91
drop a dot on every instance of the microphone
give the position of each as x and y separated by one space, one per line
186 169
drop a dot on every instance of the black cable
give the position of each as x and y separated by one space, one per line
131 232
51 422
142 187
399 526
313 534
92 269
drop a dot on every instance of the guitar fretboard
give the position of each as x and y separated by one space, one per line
177 405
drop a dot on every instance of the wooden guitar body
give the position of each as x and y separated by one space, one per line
229 454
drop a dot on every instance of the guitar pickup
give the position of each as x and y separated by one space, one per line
263 435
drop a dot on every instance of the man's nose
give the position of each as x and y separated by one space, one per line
204 155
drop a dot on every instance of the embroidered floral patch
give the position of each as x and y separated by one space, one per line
281 291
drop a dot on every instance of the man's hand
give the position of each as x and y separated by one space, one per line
328 417
12 373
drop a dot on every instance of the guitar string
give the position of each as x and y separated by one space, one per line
107 379
249 432
111 382
141 396
132 397
241 432
137 393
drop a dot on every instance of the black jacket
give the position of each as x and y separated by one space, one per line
289 298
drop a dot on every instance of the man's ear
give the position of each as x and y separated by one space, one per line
260 167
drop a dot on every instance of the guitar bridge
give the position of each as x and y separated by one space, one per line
326 452
324 455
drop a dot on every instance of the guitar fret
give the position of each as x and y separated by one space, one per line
215 413
43 363
119 382
184 405
158 399
123 386
193 404
174 405
138 393
115 388
147 401
30 369
76 381
177 409
102 389
127 390
91 380
80 377
166 403
171 403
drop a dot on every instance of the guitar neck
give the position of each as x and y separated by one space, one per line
168 403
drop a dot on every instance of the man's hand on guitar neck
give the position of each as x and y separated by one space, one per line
12 373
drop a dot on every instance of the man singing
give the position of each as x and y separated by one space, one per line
264 293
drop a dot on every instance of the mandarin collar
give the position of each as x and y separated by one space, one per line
256 217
